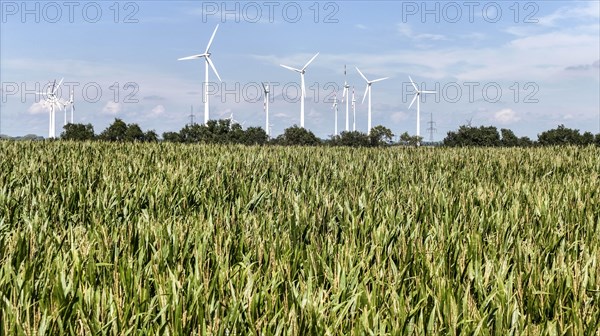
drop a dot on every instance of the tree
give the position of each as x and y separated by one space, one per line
171 137
351 139
597 139
134 133
509 139
151 136
525 142
381 135
409 140
473 136
297 136
115 132
78 132
587 139
560 136
255 136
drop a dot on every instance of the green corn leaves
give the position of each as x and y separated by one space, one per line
144 239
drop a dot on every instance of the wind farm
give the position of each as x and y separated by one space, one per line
292 206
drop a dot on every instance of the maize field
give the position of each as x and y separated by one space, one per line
168 239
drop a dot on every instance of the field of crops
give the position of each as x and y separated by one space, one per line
171 239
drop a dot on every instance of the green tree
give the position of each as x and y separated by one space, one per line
381 135
115 132
171 137
473 136
587 139
525 142
150 136
78 132
409 140
297 136
560 136
597 140
509 139
351 139
134 133
255 136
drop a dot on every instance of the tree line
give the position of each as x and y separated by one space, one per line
225 132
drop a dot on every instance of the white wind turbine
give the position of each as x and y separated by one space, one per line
345 96
368 91
70 102
266 88
418 99
52 100
208 62
303 87
335 110
353 111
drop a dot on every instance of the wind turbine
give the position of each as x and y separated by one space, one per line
368 91
346 97
208 62
266 106
72 103
335 109
303 87
353 111
54 102
68 103
418 99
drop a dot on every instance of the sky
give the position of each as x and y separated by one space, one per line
527 66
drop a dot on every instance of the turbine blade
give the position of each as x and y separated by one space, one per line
413 101
290 68
361 74
379 80
312 59
58 86
428 92
213 67
191 57
366 91
413 84
53 86
211 39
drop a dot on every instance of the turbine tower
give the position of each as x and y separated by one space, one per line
335 110
368 91
418 99
353 111
68 103
346 97
207 62
52 100
303 87
266 88
72 103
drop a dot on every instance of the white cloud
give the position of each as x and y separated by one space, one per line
506 116
398 117
405 30
38 108
111 108
591 10
158 110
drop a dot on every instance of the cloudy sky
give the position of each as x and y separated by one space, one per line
528 66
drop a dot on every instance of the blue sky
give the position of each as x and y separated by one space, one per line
528 66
